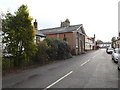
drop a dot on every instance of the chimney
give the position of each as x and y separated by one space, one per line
94 39
94 35
35 25
66 23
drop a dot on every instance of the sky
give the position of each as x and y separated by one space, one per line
99 17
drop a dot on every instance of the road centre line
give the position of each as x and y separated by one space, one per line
58 80
66 75
88 60
92 53
85 62
95 56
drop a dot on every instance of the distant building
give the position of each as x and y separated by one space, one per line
104 44
90 43
74 34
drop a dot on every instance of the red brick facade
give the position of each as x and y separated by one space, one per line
61 36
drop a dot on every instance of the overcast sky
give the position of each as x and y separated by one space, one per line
99 17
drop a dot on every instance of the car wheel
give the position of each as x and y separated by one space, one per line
112 58
115 61
119 68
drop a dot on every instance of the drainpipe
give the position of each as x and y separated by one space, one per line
78 43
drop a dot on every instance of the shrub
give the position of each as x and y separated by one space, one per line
7 63
63 50
52 48
41 55
58 49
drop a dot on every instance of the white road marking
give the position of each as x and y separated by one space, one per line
58 80
95 55
67 74
88 60
85 62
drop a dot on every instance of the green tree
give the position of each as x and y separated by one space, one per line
99 41
113 42
19 34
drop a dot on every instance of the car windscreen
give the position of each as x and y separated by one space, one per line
110 49
117 51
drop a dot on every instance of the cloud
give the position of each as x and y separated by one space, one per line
97 16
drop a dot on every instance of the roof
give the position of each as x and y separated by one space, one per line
104 43
38 33
56 30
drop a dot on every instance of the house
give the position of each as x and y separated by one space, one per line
90 43
104 44
39 36
117 41
74 35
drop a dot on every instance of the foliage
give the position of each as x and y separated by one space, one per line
52 48
57 49
19 34
41 55
7 63
99 41
63 50
113 42
113 39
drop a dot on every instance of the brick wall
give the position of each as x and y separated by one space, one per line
51 35
61 36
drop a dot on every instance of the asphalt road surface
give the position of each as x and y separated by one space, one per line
94 69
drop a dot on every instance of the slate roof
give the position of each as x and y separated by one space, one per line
38 33
56 30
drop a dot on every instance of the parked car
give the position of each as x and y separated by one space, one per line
109 50
115 54
119 62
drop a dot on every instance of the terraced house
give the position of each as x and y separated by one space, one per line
90 43
74 35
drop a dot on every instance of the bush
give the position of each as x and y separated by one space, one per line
58 49
21 61
63 50
7 63
48 50
52 48
41 55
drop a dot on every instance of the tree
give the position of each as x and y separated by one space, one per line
99 41
113 42
19 33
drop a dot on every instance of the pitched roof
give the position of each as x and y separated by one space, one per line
70 28
38 33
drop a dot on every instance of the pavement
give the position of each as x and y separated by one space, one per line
94 69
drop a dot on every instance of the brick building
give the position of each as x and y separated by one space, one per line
74 34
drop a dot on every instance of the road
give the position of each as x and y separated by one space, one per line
94 69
